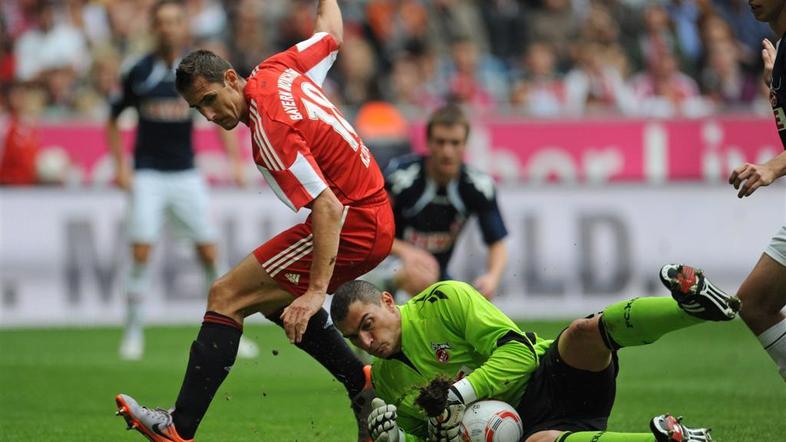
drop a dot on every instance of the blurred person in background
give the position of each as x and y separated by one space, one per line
249 40
163 181
506 24
206 19
555 22
450 21
724 81
763 293
433 197
405 85
394 25
539 91
664 91
658 38
472 77
92 98
20 143
596 85
54 54
357 74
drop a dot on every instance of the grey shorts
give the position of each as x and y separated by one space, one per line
777 247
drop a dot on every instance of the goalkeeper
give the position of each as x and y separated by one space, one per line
563 389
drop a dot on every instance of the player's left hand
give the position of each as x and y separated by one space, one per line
749 177
447 426
487 285
297 314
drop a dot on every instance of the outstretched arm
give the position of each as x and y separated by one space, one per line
329 20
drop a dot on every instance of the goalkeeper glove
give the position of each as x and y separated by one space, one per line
382 422
447 426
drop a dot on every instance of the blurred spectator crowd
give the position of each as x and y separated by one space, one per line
537 58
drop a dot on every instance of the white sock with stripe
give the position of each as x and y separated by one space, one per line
774 342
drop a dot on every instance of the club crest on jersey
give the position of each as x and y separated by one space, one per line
441 352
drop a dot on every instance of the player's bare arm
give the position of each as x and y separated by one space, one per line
326 214
488 283
329 20
749 177
123 172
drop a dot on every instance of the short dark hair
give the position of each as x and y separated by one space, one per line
351 292
448 115
201 63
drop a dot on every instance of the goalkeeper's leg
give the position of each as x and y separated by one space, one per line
663 428
587 343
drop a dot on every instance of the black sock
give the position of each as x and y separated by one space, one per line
327 346
212 355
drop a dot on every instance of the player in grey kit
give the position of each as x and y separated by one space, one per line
164 178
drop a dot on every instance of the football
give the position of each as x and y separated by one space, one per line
491 421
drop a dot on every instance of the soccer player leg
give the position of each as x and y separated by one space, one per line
642 321
664 428
763 295
188 198
145 218
287 259
244 290
382 422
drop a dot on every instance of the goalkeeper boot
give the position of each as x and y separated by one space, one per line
156 425
696 295
361 406
667 428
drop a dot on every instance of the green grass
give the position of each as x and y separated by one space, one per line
58 385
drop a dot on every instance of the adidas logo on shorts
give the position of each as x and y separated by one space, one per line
294 278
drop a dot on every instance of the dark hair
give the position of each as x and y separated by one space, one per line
201 63
351 292
447 115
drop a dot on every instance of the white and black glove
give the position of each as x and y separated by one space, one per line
382 422
447 426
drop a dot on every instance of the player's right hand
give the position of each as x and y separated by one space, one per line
382 422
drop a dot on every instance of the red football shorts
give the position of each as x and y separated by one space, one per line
366 239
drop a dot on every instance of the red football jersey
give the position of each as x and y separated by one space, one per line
302 144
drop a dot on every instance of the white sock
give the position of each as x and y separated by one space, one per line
136 288
774 342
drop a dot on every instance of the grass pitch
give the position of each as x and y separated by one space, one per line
58 385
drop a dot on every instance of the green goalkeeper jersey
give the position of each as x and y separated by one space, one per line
450 329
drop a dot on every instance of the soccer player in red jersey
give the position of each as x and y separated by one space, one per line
311 157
